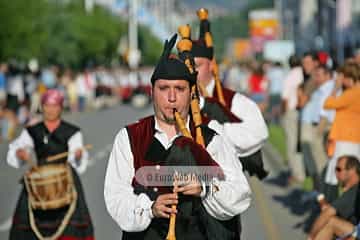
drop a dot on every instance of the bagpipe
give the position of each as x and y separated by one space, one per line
205 34
184 46
214 228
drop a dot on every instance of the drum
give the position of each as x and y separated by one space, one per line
50 186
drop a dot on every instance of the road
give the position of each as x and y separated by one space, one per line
268 217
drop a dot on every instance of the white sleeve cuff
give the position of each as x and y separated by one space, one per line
24 141
145 205
74 143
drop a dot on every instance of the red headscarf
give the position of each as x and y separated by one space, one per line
52 96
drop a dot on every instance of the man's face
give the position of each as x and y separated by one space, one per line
308 64
342 174
169 95
51 112
321 76
204 68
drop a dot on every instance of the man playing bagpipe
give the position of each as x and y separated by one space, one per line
52 203
143 209
241 121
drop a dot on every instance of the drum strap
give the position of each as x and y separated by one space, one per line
61 227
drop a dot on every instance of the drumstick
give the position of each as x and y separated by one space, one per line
64 154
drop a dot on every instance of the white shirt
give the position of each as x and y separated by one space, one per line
25 141
85 89
291 83
133 212
327 89
276 75
15 87
248 136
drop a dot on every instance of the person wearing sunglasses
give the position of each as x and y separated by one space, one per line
347 173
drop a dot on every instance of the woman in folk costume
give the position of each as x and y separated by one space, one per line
142 208
35 145
244 127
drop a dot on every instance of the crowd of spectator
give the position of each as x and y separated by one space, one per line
317 103
93 87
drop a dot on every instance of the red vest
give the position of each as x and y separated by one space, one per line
218 111
141 137
202 225
228 96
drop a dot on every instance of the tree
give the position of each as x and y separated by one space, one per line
59 32
22 25
76 37
150 46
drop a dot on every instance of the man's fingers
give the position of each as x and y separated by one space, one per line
166 209
163 211
188 187
190 192
171 196
162 207
164 215
169 201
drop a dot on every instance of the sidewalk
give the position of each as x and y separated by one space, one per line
281 214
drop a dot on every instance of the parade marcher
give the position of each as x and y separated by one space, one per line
248 132
143 211
37 144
